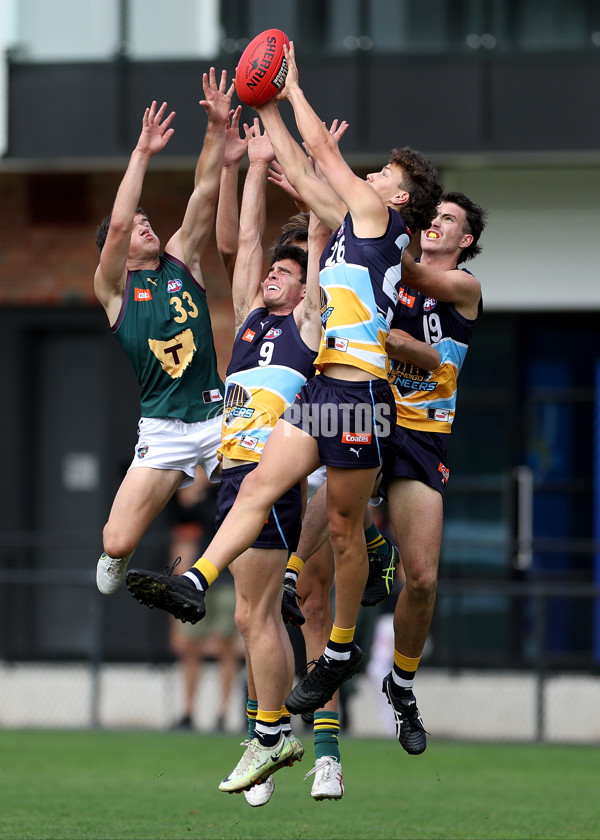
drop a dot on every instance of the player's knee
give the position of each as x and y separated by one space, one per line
254 490
117 544
422 582
317 612
242 618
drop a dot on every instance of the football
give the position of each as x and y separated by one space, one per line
262 68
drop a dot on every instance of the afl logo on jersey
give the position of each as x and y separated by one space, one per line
273 333
174 286
429 304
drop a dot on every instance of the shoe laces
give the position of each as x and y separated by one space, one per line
289 590
252 752
320 677
324 766
169 570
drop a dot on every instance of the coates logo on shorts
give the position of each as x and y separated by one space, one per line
175 285
445 473
354 437
429 304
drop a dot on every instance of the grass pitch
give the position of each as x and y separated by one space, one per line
163 786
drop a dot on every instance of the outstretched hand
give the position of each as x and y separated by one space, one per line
235 145
156 132
259 145
217 98
291 80
277 176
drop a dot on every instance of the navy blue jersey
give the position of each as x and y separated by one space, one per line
269 365
359 290
426 400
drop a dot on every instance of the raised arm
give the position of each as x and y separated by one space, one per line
189 242
277 175
369 213
307 313
299 170
248 272
109 280
226 227
403 347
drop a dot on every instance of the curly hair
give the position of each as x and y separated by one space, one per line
421 183
293 231
102 229
291 252
476 218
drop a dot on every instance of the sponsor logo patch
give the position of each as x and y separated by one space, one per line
142 451
441 414
445 473
142 294
248 335
174 285
352 437
406 299
249 442
214 395
335 343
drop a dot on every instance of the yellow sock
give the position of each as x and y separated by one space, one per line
295 564
406 663
208 571
342 635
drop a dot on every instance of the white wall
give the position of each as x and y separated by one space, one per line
88 30
541 248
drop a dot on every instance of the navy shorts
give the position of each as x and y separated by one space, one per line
349 420
408 453
282 528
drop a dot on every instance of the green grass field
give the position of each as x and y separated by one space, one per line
72 785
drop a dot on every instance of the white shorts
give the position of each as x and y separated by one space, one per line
165 443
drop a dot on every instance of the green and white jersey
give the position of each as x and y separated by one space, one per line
165 329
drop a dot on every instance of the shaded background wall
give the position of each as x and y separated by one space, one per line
501 96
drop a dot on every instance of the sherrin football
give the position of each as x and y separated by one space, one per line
262 68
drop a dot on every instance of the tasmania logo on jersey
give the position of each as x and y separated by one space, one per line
248 335
174 285
405 298
273 333
142 294
429 304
